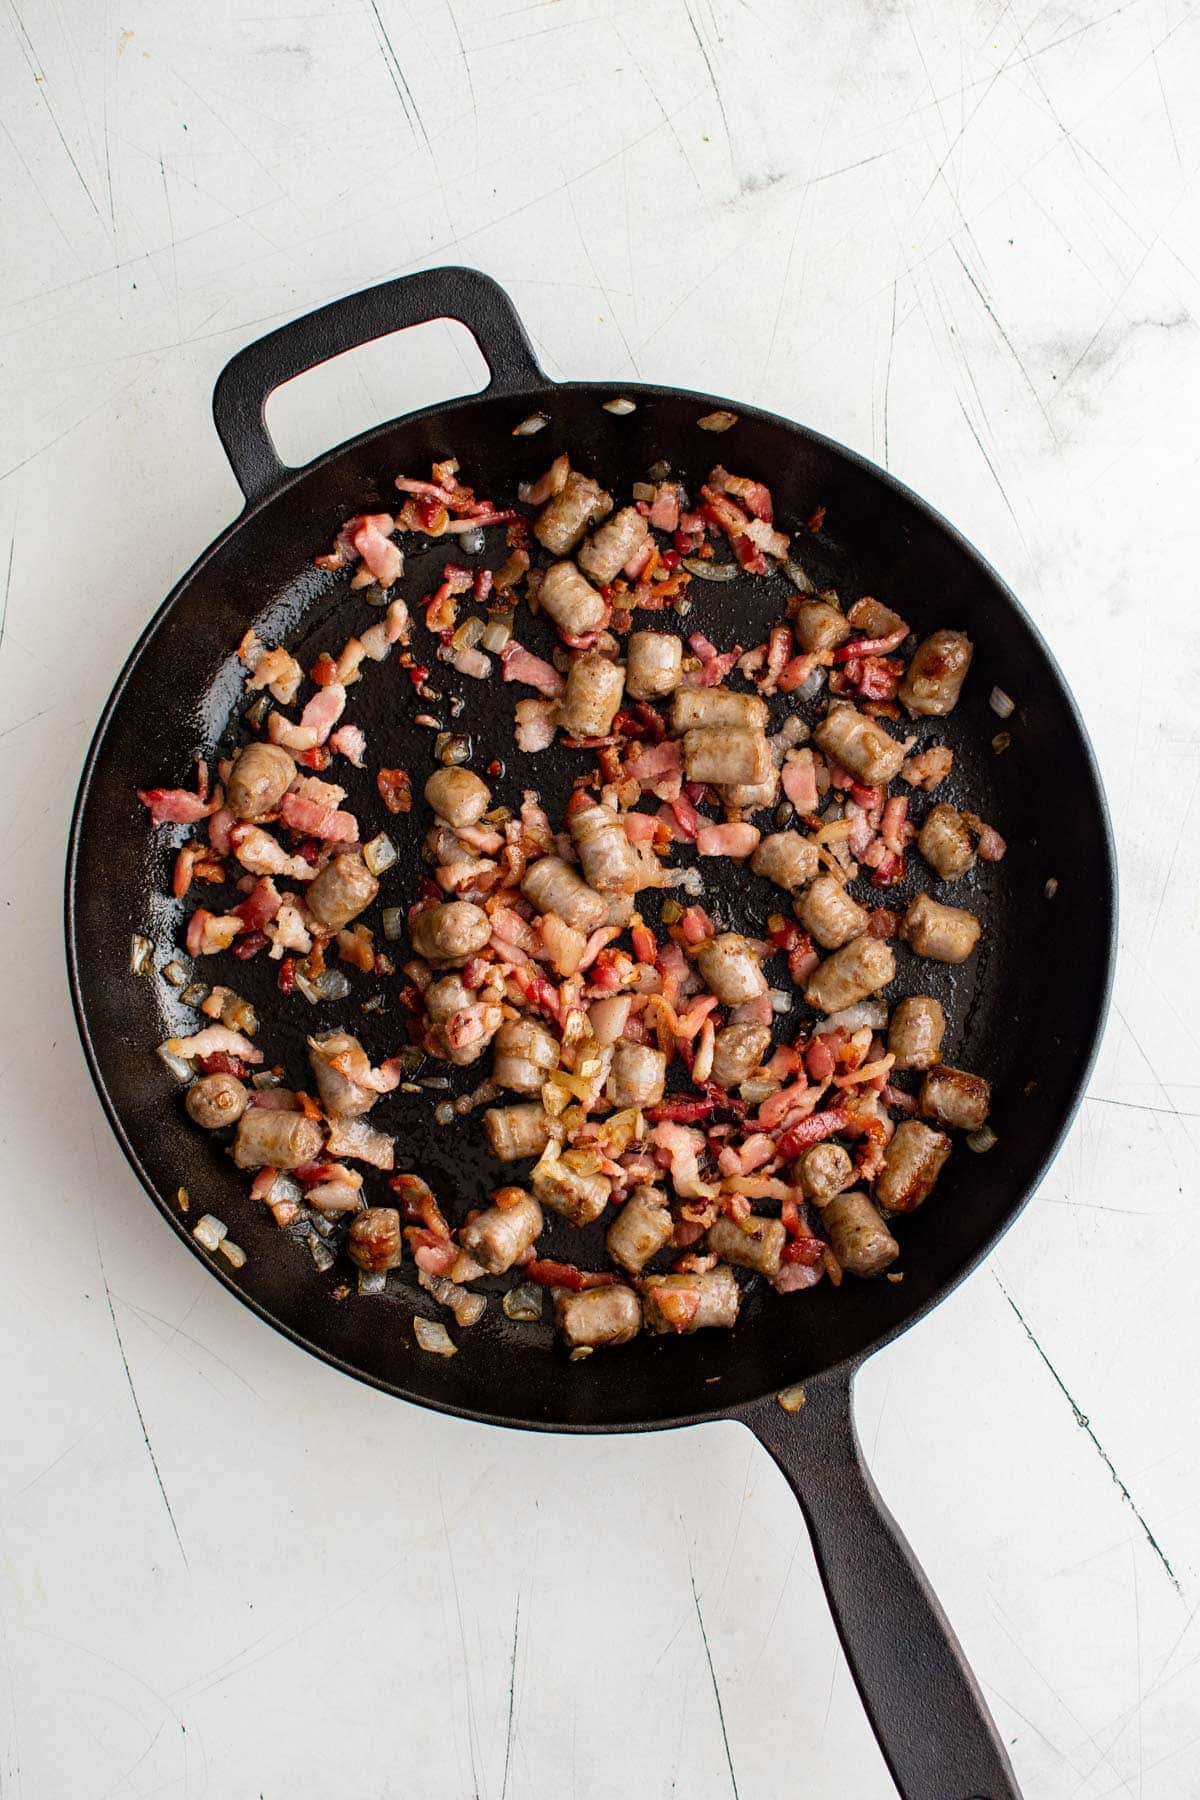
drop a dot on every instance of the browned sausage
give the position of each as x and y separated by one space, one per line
458 796
598 1317
554 886
594 689
726 754
443 1000
514 1132
610 862
912 1164
916 1030
450 935
258 780
701 707
500 1236
737 1052
653 664
751 796
687 1303
276 1140
374 1242
955 1097
859 745
786 858
216 1100
576 1198
819 626
525 1053
344 888
643 1226
858 1236
570 601
824 1171
829 915
859 968
945 842
564 519
943 933
934 678
638 1075
757 1244
731 969
608 550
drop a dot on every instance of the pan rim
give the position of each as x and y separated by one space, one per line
522 397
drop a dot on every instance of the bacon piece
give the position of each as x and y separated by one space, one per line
176 806
376 548
737 841
316 721
535 725
799 776
811 1131
678 1149
311 819
653 761
664 509
521 665
350 741
212 1041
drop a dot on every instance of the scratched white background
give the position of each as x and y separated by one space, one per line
961 236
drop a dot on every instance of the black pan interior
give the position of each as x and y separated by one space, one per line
1025 1011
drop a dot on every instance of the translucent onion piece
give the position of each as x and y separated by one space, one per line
182 1071
176 973
982 1141
798 576
393 923
1001 704
432 1336
535 422
621 405
704 569
371 1284
792 1398
331 984
233 1253
496 632
140 952
524 1303
209 1230
717 421
379 854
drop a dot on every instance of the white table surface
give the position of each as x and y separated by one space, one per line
962 237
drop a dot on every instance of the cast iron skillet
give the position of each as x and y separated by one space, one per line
1027 1011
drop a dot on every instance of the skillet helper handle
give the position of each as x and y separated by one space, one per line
249 378
934 1729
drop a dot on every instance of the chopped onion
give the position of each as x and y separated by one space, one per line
758 1089
717 421
524 1303
535 422
443 1112
183 1199
266 1078
284 1190
798 577
195 995
182 1071
672 912
375 1004
982 1140
469 1308
307 988
1001 742
681 606
470 538
496 632
1000 703
254 715
176 973
379 854
872 1013
209 1230
1051 887
321 1254
431 1334
452 748
811 686
690 880
369 1283
644 490
781 1002
580 1353
233 1252
620 406
792 1398
705 569
377 596
393 923
468 633
331 984
140 952
783 815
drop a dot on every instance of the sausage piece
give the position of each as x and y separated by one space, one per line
943 933
726 754
737 1052
829 915
819 626
344 888
859 968
514 1132
525 1053
824 1171
912 1164
276 1140
757 1244
955 1097
341 1067
501 1235
554 886
687 1303
216 1100
258 780
610 862
638 1075
462 1041
448 935
731 969
608 550
564 519
788 859
916 1030
945 842
571 602
860 745
458 796
717 706
858 1236
653 664
594 689
598 1317
576 1198
374 1242
642 1227
752 796
934 678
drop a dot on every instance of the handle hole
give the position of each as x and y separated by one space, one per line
401 373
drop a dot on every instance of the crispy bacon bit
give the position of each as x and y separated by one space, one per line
395 789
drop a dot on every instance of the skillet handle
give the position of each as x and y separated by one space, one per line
249 378
936 1734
